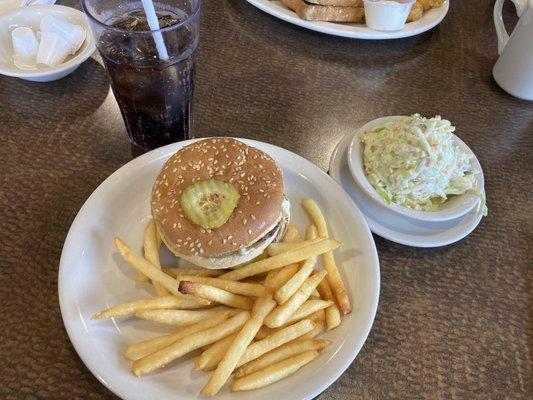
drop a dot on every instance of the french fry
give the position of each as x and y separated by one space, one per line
319 315
189 343
147 268
310 234
215 294
140 276
141 349
319 327
158 235
334 277
276 248
301 313
178 272
263 332
274 372
175 317
260 310
169 301
281 353
295 282
336 283
278 277
210 358
152 244
291 235
307 309
257 349
333 316
243 288
282 313
281 260
257 279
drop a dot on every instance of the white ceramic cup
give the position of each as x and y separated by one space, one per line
387 15
514 69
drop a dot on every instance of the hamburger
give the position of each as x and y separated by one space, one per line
219 203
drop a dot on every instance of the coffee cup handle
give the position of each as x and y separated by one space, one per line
501 32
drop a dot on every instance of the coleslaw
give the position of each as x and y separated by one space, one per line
415 163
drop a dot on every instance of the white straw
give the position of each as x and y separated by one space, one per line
151 16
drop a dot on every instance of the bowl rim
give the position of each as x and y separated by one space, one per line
355 164
194 14
87 49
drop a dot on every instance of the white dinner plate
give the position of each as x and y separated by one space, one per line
430 19
92 277
395 227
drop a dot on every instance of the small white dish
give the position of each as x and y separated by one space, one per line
452 208
31 17
92 276
395 227
387 15
430 19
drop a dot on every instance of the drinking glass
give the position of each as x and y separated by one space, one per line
151 71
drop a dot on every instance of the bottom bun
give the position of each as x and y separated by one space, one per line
274 234
233 259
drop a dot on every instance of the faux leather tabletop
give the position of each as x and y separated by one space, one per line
452 323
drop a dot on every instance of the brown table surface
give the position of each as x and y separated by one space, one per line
453 322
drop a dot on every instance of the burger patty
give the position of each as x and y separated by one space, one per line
278 230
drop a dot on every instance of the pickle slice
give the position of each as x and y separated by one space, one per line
209 203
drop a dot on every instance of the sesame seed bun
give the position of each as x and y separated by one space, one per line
236 258
254 174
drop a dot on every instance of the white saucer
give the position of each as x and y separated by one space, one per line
395 227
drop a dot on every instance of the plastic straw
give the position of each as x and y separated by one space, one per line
153 22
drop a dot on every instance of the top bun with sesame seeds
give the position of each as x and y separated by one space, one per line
260 216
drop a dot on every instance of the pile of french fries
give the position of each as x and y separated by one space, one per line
257 322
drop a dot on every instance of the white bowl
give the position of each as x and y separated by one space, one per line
454 207
31 17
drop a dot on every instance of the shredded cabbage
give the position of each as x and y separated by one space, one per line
415 163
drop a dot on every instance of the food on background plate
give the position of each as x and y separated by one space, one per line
415 163
331 13
219 203
416 12
429 4
342 3
348 10
257 321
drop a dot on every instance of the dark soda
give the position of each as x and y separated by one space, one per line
154 95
